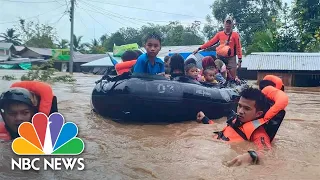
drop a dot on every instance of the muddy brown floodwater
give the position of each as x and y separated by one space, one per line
176 151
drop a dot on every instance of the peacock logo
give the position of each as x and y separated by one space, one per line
48 136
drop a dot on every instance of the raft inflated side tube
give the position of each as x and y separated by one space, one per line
156 99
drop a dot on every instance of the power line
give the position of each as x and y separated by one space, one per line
32 16
137 19
98 22
145 9
101 11
17 1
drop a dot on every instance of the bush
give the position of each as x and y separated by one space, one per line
46 73
9 77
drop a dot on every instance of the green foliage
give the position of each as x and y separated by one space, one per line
307 22
251 16
63 44
11 37
9 77
37 35
46 73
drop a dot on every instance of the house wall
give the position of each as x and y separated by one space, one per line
294 78
286 77
243 73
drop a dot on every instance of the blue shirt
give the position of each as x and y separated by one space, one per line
144 66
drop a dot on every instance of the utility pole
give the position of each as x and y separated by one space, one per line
71 37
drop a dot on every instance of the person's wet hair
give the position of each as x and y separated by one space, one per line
166 59
257 96
208 62
265 83
190 61
213 57
129 55
138 52
176 63
153 35
206 71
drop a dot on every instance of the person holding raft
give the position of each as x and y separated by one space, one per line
148 62
229 47
254 120
21 102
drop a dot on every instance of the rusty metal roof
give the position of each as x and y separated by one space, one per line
282 61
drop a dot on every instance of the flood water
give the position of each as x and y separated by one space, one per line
176 151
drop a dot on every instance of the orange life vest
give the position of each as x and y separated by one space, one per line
41 89
274 79
124 66
4 134
275 113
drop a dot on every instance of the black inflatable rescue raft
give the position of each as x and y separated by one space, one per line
147 98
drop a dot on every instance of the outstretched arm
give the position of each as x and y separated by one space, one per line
262 141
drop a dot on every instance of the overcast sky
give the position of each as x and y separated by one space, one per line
94 18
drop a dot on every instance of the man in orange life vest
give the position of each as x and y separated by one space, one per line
21 102
248 124
229 47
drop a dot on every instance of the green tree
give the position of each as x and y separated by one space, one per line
250 16
10 37
96 48
63 44
116 38
307 21
37 35
78 45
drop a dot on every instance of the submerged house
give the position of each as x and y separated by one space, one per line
295 69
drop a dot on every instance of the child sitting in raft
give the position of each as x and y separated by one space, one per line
209 76
149 63
208 62
191 69
176 65
129 59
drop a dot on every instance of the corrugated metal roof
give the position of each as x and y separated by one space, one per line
5 45
41 51
165 50
19 48
282 61
88 57
22 60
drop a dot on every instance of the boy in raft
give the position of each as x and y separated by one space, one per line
21 102
248 124
149 63
191 69
229 47
129 59
209 62
209 75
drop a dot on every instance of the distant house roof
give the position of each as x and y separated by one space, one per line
20 48
22 60
4 45
165 50
88 57
4 58
103 62
41 51
282 61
